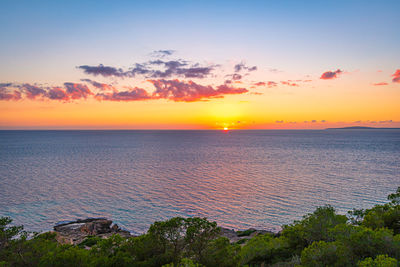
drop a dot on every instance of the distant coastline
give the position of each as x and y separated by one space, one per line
362 128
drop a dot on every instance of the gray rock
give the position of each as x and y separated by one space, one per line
76 231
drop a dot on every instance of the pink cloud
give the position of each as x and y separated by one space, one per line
380 84
268 84
5 94
396 76
289 83
330 74
182 91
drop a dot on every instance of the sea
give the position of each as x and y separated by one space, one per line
239 178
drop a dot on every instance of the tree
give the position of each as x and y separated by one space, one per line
313 227
199 233
380 261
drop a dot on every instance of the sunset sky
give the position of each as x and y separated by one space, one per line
199 64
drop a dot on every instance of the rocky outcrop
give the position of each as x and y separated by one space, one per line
76 231
237 236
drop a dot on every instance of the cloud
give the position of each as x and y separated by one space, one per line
102 70
279 121
175 90
289 83
77 90
33 91
57 93
380 84
181 91
162 53
241 66
268 84
260 84
101 86
396 76
133 94
6 94
178 68
330 74
70 91
151 69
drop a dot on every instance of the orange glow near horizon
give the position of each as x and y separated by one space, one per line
347 101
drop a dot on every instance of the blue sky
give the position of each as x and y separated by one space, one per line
331 62
290 35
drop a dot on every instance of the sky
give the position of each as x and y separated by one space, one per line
199 64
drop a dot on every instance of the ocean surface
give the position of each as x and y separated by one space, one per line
240 179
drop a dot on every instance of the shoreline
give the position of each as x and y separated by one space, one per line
75 232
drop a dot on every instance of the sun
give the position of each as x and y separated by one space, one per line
226 128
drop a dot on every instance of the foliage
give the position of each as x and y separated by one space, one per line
264 249
245 232
323 238
323 253
314 227
380 261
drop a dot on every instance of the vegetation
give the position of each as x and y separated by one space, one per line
323 238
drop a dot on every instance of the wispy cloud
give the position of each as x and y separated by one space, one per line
162 53
242 67
380 84
267 84
289 83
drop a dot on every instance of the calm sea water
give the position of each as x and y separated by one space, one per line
240 179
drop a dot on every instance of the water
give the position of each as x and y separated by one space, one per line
240 179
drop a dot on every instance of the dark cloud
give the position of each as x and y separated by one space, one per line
179 68
134 94
33 91
102 70
330 74
279 121
190 91
241 66
162 53
101 86
396 76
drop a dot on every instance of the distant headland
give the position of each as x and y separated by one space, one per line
362 128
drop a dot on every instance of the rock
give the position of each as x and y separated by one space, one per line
115 228
235 236
76 231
